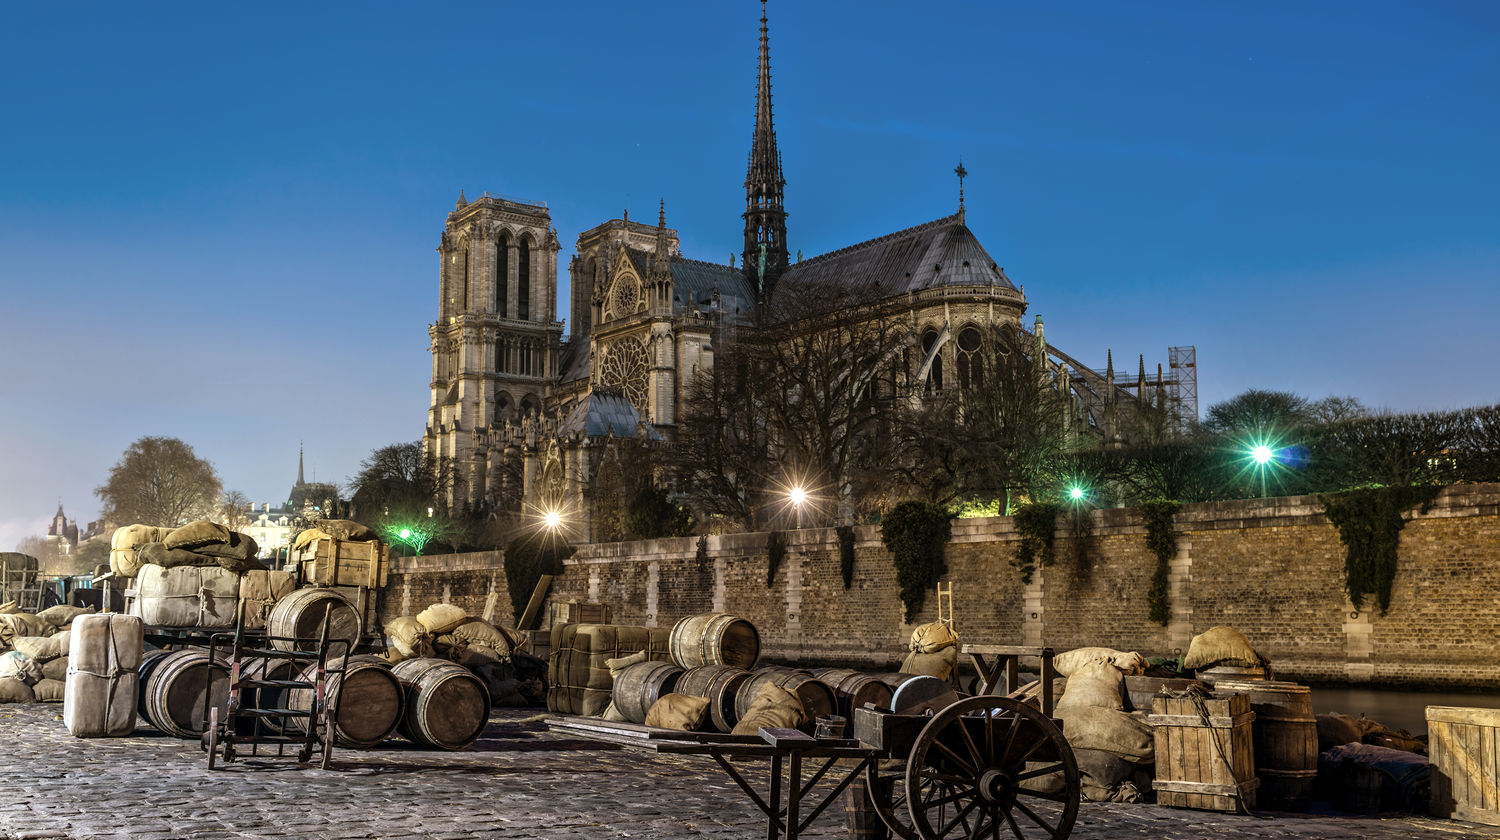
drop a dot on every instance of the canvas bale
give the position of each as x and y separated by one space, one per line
197 533
1221 646
187 596
677 711
259 592
103 675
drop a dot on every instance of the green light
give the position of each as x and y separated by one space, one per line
1075 493
1262 454
404 533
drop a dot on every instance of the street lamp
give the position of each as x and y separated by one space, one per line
798 497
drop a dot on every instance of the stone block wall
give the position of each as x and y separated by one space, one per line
1272 568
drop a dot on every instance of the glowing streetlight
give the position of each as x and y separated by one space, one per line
552 519
1262 454
798 497
404 533
1075 493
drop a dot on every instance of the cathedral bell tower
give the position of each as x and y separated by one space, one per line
765 256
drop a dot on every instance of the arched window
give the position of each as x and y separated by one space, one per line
463 259
502 356
523 282
935 373
970 363
502 274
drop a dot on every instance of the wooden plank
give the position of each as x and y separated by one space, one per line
1440 801
1463 714
787 739
1196 720
1005 650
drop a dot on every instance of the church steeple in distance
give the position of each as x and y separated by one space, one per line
765 255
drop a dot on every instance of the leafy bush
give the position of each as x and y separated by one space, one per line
915 533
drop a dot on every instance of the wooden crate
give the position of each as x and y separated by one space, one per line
1463 749
1209 765
572 612
334 562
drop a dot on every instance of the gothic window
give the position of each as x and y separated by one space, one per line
523 282
624 366
502 356
970 364
624 296
552 482
502 275
935 373
463 260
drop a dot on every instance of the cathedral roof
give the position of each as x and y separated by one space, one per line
694 283
574 362
603 413
943 252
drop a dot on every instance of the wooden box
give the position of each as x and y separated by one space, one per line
572 612
1204 761
1463 749
334 562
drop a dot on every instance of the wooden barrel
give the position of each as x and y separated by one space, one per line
717 683
642 684
297 620
1285 733
1140 690
370 700
149 660
817 698
714 639
446 706
1232 672
265 697
180 683
854 689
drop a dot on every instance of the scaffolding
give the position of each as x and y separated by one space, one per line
1184 382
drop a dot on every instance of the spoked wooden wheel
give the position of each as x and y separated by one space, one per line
988 767
886 781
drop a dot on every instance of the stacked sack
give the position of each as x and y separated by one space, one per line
1220 647
498 656
333 529
197 575
34 665
1113 747
934 651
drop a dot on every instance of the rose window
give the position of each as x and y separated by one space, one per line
624 366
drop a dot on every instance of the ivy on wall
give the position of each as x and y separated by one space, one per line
1161 539
846 553
916 534
1370 520
702 556
1037 525
775 551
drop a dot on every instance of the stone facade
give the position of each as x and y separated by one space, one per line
1272 568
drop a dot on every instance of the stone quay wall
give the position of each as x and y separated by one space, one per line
1272 568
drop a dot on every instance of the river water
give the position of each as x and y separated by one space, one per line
1396 709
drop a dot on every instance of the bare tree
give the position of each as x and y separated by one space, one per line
1337 409
723 446
159 481
233 511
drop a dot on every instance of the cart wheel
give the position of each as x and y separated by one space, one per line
971 765
886 781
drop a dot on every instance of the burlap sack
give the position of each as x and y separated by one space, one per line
940 664
238 554
64 638
476 631
611 713
62 615
442 618
13 625
124 559
9 607
617 665
198 533
57 669
1131 663
49 691
1110 730
14 691
677 711
18 666
41 648
345 529
1337 729
1098 684
408 637
773 708
307 537
158 554
931 638
1221 646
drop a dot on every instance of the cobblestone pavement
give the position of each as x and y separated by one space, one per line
518 781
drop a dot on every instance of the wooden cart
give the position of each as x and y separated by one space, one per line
983 766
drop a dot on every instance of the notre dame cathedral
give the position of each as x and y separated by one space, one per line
524 413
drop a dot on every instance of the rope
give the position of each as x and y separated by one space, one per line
1200 700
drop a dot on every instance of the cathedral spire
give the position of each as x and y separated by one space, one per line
300 482
765 255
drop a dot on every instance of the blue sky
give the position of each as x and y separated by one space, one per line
217 222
